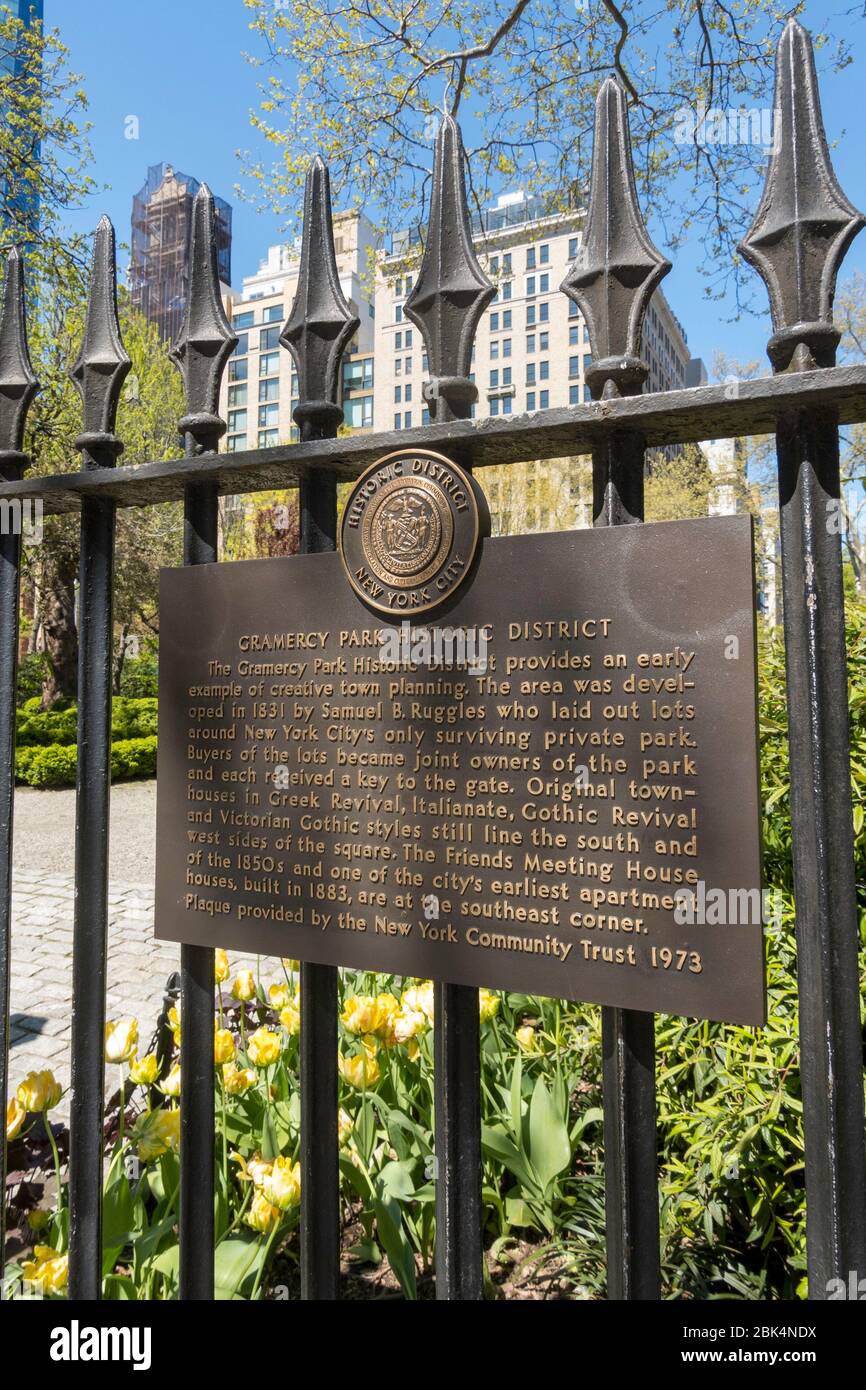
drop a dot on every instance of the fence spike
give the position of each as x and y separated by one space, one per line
452 291
18 384
321 322
206 340
804 223
618 268
103 362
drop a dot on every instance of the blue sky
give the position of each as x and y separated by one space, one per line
177 66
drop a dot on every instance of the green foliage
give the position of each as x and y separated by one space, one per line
140 678
54 764
130 719
32 670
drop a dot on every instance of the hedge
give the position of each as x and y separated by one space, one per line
53 765
130 719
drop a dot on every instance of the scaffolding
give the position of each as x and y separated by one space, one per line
159 268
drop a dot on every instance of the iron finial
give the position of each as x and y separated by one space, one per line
103 362
321 322
804 223
452 291
18 384
206 340
618 268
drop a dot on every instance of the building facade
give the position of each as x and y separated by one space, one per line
159 266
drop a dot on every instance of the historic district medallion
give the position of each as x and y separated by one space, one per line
410 530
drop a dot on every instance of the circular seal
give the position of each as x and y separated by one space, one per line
410 530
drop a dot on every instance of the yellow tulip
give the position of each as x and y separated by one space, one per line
254 1169
155 1132
488 1004
282 1186
221 968
359 1013
16 1114
526 1039
290 1017
291 965
48 1271
262 1215
263 1047
345 1124
244 987
419 999
360 1072
143 1071
121 1039
174 1023
40 1090
237 1080
171 1085
223 1046
278 995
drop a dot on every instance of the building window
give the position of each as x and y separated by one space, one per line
494 265
269 390
574 335
574 366
506 290
398 313
407 392
530 400
543 312
398 366
530 284
235 442
243 345
398 287
268 438
238 369
398 342
506 263
237 421
425 416
587 394
530 315
530 373
543 342
408 337
274 313
530 258
398 395
494 377
358 412
269 338
358 375
245 320
506 405
494 406
269 416
506 319
506 376
544 254
237 395
573 310
543 284
407 419
494 323
543 400
572 248
544 370
574 395
530 342
408 366
425 365
494 350
269 364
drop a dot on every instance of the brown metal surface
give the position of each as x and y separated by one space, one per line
315 751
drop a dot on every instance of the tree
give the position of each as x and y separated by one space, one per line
147 537
362 81
679 486
850 317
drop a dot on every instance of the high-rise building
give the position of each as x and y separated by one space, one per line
22 201
260 389
159 268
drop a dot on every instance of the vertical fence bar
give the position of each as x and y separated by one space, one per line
18 386
613 279
446 303
205 343
802 229
98 373
317 332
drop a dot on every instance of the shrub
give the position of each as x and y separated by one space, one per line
139 678
32 670
129 719
54 765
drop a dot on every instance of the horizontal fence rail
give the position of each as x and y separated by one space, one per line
801 231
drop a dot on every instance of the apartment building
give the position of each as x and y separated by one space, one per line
260 388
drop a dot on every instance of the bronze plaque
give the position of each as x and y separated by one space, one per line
553 788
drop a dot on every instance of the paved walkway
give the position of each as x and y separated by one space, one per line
42 914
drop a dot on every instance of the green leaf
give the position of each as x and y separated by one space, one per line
549 1145
237 1261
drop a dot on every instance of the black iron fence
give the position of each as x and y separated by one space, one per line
800 233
